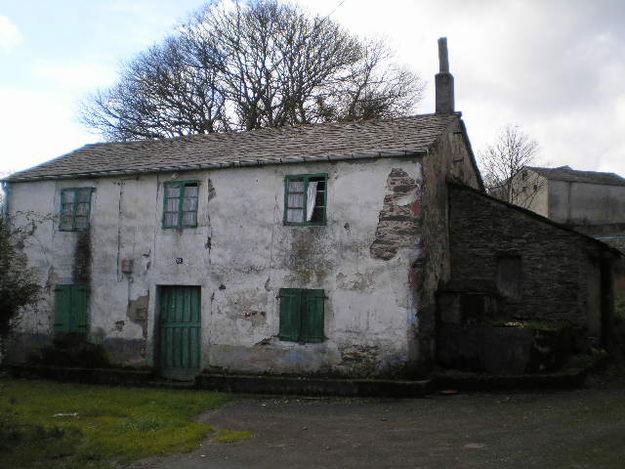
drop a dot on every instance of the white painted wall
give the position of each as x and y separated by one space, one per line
252 254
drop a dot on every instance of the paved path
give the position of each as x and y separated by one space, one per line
581 429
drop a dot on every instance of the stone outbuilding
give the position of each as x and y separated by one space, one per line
317 249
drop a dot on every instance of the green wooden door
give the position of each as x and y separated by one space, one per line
71 304
180 332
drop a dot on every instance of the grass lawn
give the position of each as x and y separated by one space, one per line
44 424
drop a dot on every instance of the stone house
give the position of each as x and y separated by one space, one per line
319 249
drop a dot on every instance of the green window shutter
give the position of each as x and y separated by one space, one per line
290 312
71 306
312 316
80 303
62 307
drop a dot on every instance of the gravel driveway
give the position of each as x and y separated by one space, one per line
578 429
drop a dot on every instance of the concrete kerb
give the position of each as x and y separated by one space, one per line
312 386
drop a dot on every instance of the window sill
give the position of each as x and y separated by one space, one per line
286 223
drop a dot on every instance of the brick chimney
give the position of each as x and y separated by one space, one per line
444 81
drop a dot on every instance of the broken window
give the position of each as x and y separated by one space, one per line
301 315
180 203
509 275
305 199
75 209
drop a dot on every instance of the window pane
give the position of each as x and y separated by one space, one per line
189 204
321 182
295 215
171 205
319 198
82 223
172 191
82 209
296 186
317 215
68 196
171 219
190 190
295 200
66 222
189 218
83 195
67 209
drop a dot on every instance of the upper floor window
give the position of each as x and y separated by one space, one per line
180 204
75 209
305 199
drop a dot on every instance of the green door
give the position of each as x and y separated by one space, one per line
71 303
180 332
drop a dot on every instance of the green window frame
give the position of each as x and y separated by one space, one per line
305 199
180 202
75 209
302 315
71 309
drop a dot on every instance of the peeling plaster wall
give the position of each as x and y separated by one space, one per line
241 254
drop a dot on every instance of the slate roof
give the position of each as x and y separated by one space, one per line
566 173
318 142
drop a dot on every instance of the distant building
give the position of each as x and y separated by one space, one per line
589 201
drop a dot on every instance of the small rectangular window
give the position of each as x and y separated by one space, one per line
75 209
302 315
180 202
305 199
509 275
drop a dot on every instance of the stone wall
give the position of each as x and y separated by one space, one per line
450 159
558 267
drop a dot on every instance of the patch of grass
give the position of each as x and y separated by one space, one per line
230 436
70 425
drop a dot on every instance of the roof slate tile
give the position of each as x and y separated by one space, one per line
332 141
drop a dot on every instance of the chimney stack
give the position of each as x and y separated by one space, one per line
444 81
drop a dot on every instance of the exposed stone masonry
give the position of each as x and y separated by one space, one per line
399 219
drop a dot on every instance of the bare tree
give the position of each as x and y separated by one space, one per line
248 65
503 166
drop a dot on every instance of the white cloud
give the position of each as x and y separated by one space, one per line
554 68
36 127
75 75
10 36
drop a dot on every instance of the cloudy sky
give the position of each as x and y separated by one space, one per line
554 67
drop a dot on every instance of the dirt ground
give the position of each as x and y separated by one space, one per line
574 429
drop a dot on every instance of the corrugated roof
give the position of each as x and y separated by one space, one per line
332 141
566 173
